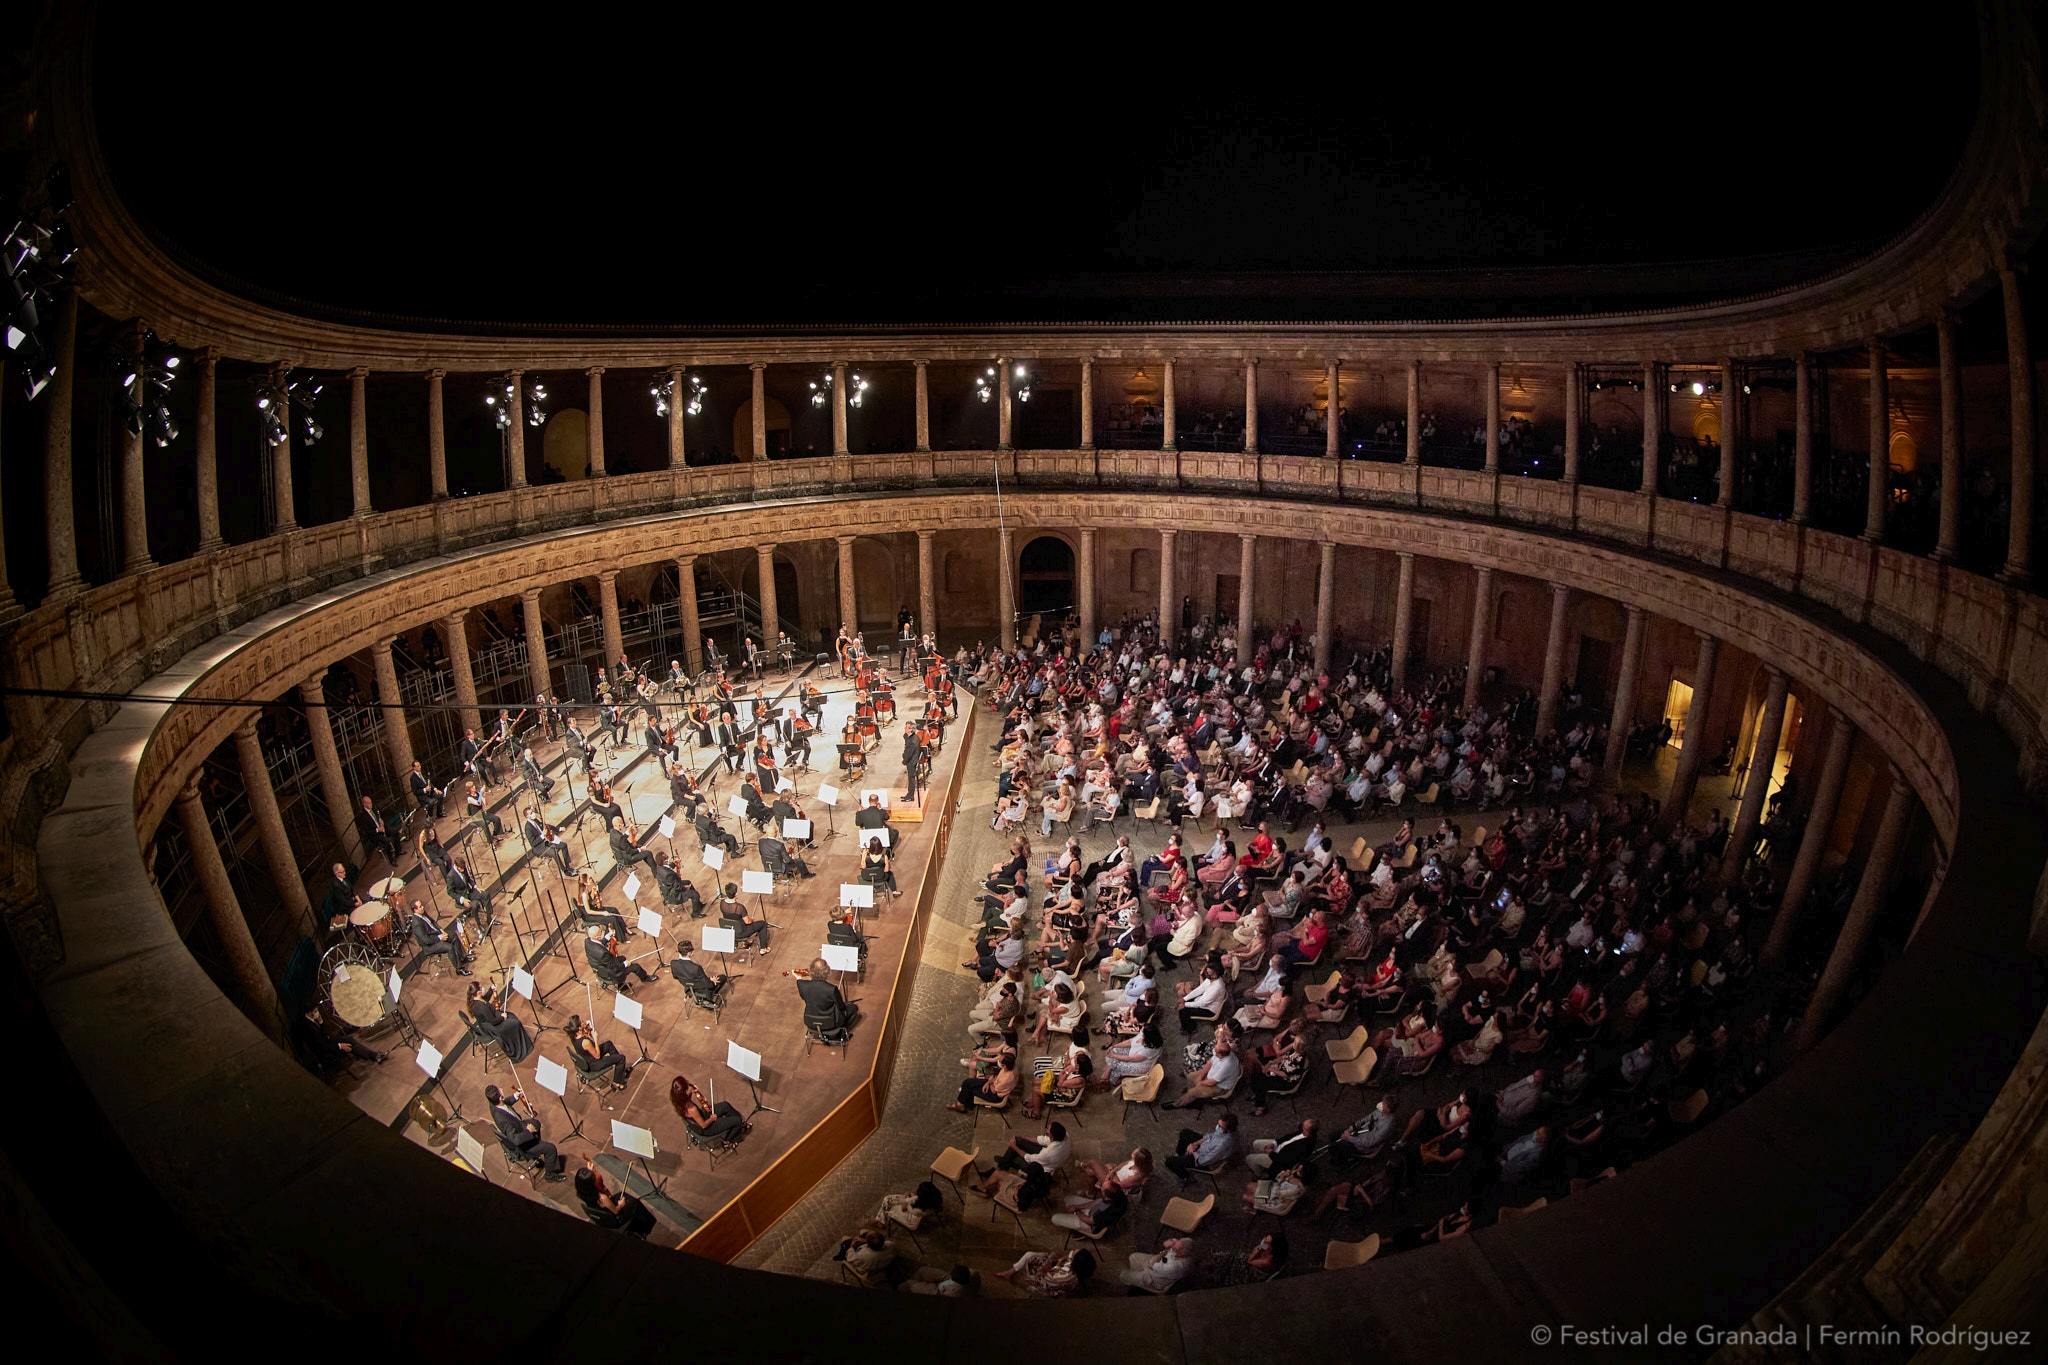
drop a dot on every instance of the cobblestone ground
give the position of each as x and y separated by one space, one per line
916 1127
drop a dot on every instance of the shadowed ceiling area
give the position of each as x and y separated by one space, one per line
600 171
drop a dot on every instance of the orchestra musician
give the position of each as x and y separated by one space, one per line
757 809
478 811
766 775
575 745
726 735
676 889
722 697
601 951
678 681
913 761
611 729
487 1008
476 759
694 978
684 792
619 1212
699 721
796 738
376 835
771 848
432 939
625 844
825 1008
521 1131
709 832
530 773
813 703
548 713
603 802
341 897
593 1056
750 655
877 868
425 793
732 914
591 910
660 743
430 848
705 1119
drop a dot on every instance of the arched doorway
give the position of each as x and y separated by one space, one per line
1045 576
743 429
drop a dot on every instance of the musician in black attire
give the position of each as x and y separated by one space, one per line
684 791
341 895
726 735
432 850
757 809
732 914
709 832
574 743
701 984
425 792
376 834
520 1133
327 1053
530 773
475 761
913 761
675 888
624 851
825 1009
872 816
609 963
427 932
477 809
772 848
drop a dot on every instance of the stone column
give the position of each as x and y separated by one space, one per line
1170 431
1475 643
1414 455
678 456
540 676
927 589
206 443
608 616
1251 406
437 434
1169 597
1246 557
1326 593
1802 438
277 846
255 994
1949 540
1573 400
1002 403
693 632
849 602
1404 613
62 530
284 507
1878 487
760 409
839 407
924 406
1089 627
1653 424
1862 918
455 626
594 422
1813 843
1087 405
1624 714
1757 785
1006 601
397 738
1686 775
764 567
1731 432
134 488
515 434
341 810
2019 545
1493 418
1334 413
359 442
1553 660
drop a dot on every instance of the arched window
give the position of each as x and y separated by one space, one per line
955 572
1144 571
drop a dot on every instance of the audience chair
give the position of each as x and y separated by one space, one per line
1342 1255
1317 993
817 1035
1069 1101
1356 1070
1185 1215
1359 848
1095 1239
1348 1047
1006 1198
1688 1110
1581 1182
953 1163
1407 858
1143 1090
1291 1091
1000 1108
1429 798
1509 1214
601 1082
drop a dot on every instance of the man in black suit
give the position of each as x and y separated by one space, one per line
699 983
425 793
825 1009
871 816
675 888
522 1134
913 760
609 963
427 933
340 897
726 735
377 836
624 851
772 849
710 834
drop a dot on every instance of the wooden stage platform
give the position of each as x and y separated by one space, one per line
762 1013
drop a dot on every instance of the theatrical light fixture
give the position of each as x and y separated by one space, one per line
821 389
663 390
145 385
34 256
500 404
277 398
987 384
856 387
1697 387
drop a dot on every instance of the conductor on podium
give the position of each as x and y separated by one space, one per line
913 760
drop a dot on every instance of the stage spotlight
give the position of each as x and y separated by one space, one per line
145 387
277 399
821 389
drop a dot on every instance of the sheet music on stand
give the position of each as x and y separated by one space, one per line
714 857
840 957
551 1076
747 1063
638 1141
649 922
791 829
469 1149
755 883
522 982
626 1010
392 985
828 793
667 826
717 940
856 894
429 1057
736 805
631 890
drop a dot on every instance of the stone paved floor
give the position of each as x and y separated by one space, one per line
916 1127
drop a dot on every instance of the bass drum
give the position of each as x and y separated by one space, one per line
352 979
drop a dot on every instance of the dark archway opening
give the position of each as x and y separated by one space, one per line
1045 576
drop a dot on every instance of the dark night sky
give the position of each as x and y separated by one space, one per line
809 170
